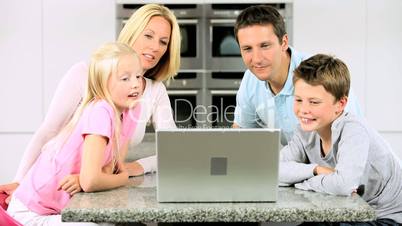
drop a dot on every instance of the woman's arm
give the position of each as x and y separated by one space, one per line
92 175
64 103
162 117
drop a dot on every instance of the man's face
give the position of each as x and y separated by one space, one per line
261 50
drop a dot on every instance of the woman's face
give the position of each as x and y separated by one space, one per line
153 42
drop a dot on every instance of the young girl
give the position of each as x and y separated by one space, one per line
92 144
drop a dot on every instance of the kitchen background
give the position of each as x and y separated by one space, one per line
41 39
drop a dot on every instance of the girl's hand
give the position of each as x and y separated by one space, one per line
134 169
108 169
8 189
70 184
323 170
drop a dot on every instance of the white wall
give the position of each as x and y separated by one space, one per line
41 39
21 66
367 35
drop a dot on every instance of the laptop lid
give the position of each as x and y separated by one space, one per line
217 165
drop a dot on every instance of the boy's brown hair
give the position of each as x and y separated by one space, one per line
325 70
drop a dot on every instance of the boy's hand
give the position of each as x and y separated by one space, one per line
70 184
8 189
323 170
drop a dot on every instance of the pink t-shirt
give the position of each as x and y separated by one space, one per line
61 157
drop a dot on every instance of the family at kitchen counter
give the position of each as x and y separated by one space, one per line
82 143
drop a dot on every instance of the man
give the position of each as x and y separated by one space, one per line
265 96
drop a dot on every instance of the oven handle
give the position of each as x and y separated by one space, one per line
182 92
223 92
187 21
223 21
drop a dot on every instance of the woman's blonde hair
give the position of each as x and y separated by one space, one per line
104 63
169 63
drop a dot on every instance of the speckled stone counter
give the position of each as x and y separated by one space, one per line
137 203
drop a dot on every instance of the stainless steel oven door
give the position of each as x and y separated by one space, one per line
224 80
222 106
185 80
184 105
190 52
223 52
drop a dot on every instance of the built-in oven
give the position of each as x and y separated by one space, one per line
221 104
224 80
221 96
184 105
185 80
190 20
223 52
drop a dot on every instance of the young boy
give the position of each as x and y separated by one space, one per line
335 152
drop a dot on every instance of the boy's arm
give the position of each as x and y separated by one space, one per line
294 165
92 177
351 161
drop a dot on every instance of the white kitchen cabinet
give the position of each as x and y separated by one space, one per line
72 30
12 149
384 67
336 27
21 65
395 141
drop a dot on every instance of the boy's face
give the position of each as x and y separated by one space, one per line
126 85
261 50
316 108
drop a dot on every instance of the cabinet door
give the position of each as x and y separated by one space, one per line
72 30
12 149
384 67
21 65
336 27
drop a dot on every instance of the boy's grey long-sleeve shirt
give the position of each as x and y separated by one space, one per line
359 155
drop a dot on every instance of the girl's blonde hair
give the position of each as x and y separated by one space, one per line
169 63
104 63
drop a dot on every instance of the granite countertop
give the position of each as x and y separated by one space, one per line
137 202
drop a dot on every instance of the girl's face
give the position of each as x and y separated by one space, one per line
125 86
316 108
153 42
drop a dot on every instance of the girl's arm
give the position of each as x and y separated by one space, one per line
64 103
133 168
92 177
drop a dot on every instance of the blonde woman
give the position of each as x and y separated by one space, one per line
90 144
153 33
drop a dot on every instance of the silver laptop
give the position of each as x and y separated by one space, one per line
217 165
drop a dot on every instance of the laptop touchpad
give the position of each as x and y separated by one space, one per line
218 166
